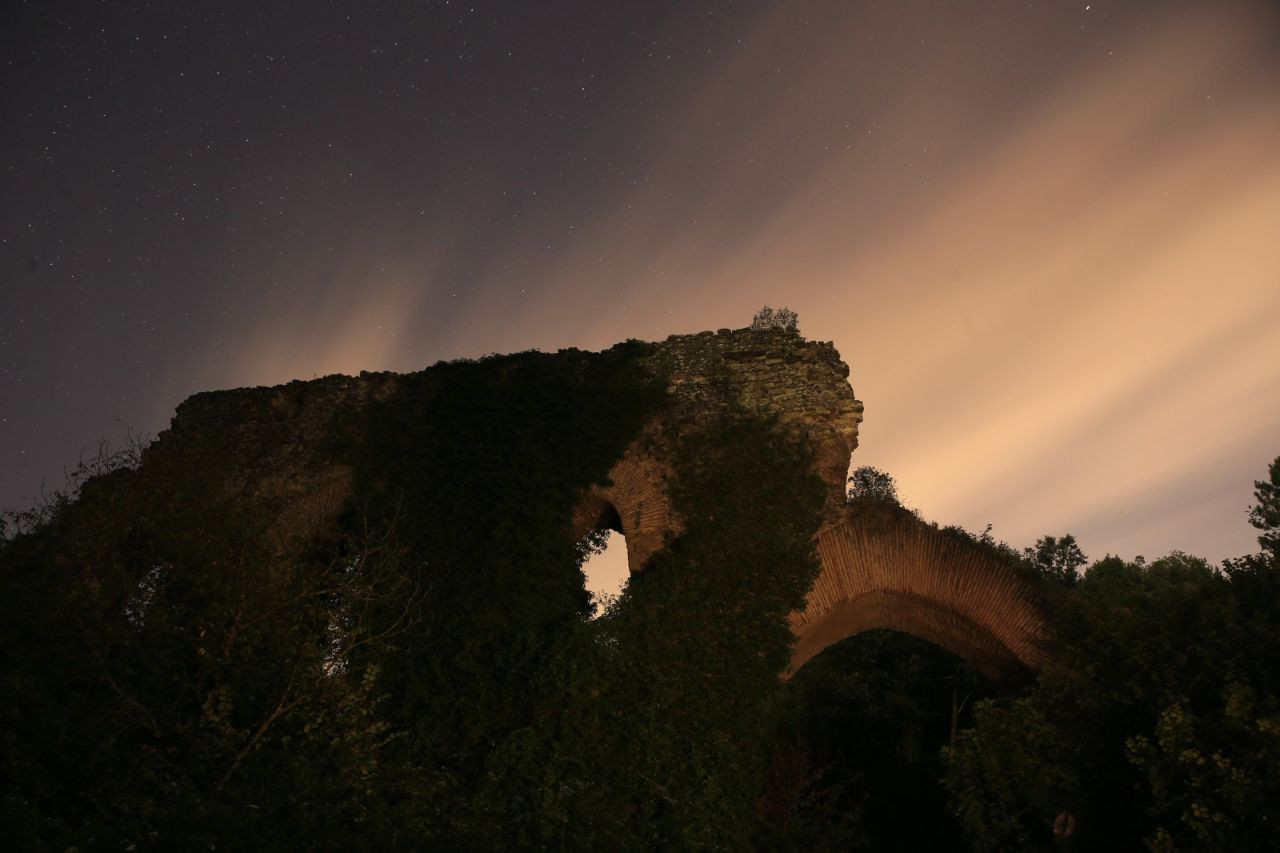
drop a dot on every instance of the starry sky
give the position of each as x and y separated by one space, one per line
1045 236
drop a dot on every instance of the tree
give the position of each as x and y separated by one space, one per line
872 484
1265 515
868 717
1059 559
1156 722
1256 577
172 679
780 320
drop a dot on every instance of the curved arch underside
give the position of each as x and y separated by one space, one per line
881 567
634 503
884 568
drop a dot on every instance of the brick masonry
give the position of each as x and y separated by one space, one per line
273 447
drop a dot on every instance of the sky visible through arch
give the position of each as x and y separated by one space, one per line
1043 235
606 572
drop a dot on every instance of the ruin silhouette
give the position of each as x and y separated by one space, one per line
881 566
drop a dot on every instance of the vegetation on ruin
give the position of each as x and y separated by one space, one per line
427 675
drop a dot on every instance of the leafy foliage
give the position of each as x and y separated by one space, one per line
166 679
868 483
780 320
105 461
1057 559
615 754
416 678
1212 776
869 717
174 677
1265 514
1156 723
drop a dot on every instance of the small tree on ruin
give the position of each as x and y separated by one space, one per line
780 320
872 484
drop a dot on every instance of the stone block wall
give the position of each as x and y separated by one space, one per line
276 449
803 383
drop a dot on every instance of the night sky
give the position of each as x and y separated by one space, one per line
1045 236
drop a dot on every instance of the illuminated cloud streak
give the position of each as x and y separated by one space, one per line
1054 276
1063 313
1042 235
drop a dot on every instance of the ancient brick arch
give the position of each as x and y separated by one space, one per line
881 566
634 504
884 568
880 569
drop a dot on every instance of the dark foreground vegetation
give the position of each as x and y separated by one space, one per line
429 677
1156 725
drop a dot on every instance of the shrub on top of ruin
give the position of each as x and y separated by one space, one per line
868 483
780 320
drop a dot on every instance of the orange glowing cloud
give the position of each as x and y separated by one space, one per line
1055 275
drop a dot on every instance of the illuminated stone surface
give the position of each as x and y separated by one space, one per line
881 566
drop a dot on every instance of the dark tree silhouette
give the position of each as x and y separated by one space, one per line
1265 515
781 319
1060 559
872 484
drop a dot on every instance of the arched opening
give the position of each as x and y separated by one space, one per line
912 615
606 570
883 568
605 564
858 746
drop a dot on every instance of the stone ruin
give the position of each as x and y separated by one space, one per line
881 566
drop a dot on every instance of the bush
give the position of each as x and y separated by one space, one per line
780 320
872 484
